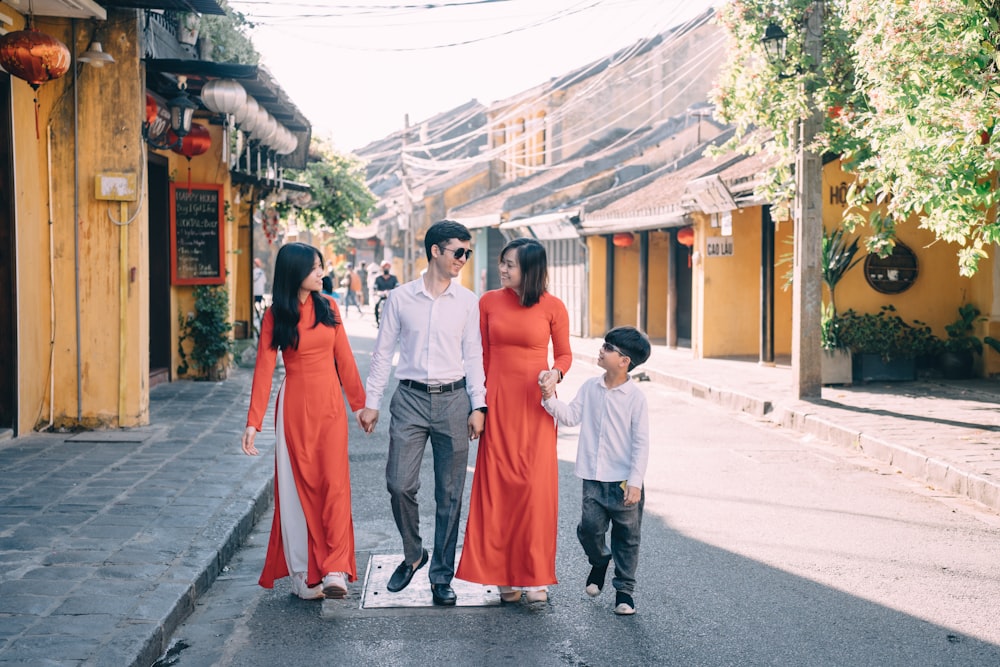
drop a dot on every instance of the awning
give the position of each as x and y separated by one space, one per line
479 221
258 82
543 219
710 194
363 232
71 9
199 6
665 217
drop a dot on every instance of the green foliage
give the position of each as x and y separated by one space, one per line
753 94
886 334
923 138
208 330
230 43
339 193
916 87
960 332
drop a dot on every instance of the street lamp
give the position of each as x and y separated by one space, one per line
775 41
182 109
807 284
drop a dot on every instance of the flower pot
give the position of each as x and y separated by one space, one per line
835 367
872 367
960 365
188 27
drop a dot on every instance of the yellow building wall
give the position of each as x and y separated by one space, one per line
626 286
731 287
597 268
656 286
113 323
938 291
209 168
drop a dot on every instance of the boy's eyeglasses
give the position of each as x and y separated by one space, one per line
608 347
459 253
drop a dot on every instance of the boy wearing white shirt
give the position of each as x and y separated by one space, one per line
611 459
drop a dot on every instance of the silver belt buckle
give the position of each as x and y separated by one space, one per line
435 389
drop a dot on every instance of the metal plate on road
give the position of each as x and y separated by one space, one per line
418 593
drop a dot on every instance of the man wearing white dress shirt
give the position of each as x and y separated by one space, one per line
441 397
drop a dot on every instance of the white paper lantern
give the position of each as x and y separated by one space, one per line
246 117
223 96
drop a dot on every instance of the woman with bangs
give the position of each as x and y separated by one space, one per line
312 534
510 538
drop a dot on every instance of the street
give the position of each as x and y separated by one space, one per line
759 548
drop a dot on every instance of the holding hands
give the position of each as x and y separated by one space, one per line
547 381
367 418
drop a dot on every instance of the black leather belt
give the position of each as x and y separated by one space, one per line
433 388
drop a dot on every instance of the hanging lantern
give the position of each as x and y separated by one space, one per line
246 116
192 144
34 57
223 96
685 236
623 240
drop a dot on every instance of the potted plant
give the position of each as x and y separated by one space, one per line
838 257
208 330
958 351
884 346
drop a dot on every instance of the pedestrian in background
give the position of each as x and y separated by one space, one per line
441 396
611 459
352 283
312 533
510 536
363 284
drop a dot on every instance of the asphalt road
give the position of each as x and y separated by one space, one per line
759 548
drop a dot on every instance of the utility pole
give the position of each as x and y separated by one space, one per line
807 286
406 217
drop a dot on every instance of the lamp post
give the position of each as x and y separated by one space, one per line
807 285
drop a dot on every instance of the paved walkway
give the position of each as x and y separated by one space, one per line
108 538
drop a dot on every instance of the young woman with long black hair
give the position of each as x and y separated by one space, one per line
312 536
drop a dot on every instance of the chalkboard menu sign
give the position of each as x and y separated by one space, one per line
196 234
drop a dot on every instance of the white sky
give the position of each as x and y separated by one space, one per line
355 68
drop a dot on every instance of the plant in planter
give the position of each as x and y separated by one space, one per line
838 257
959 349
885 347
208 330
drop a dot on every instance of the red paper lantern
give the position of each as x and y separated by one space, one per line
34 57
194 143
685 236
623 240
152 109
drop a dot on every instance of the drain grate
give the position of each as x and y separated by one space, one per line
418 593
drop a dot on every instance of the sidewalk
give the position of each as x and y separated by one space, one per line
108 538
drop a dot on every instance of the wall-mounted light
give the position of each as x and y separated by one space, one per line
775 41
95 55
182 109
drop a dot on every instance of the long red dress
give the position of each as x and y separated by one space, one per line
510 536
315 432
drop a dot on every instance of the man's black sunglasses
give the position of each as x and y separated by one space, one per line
459 253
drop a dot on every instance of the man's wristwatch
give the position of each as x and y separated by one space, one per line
482 409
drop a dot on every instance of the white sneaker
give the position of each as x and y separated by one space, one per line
303 590
335 585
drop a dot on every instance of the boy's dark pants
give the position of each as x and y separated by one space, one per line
603 503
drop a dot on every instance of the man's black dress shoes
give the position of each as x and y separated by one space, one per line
443 594
400 579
